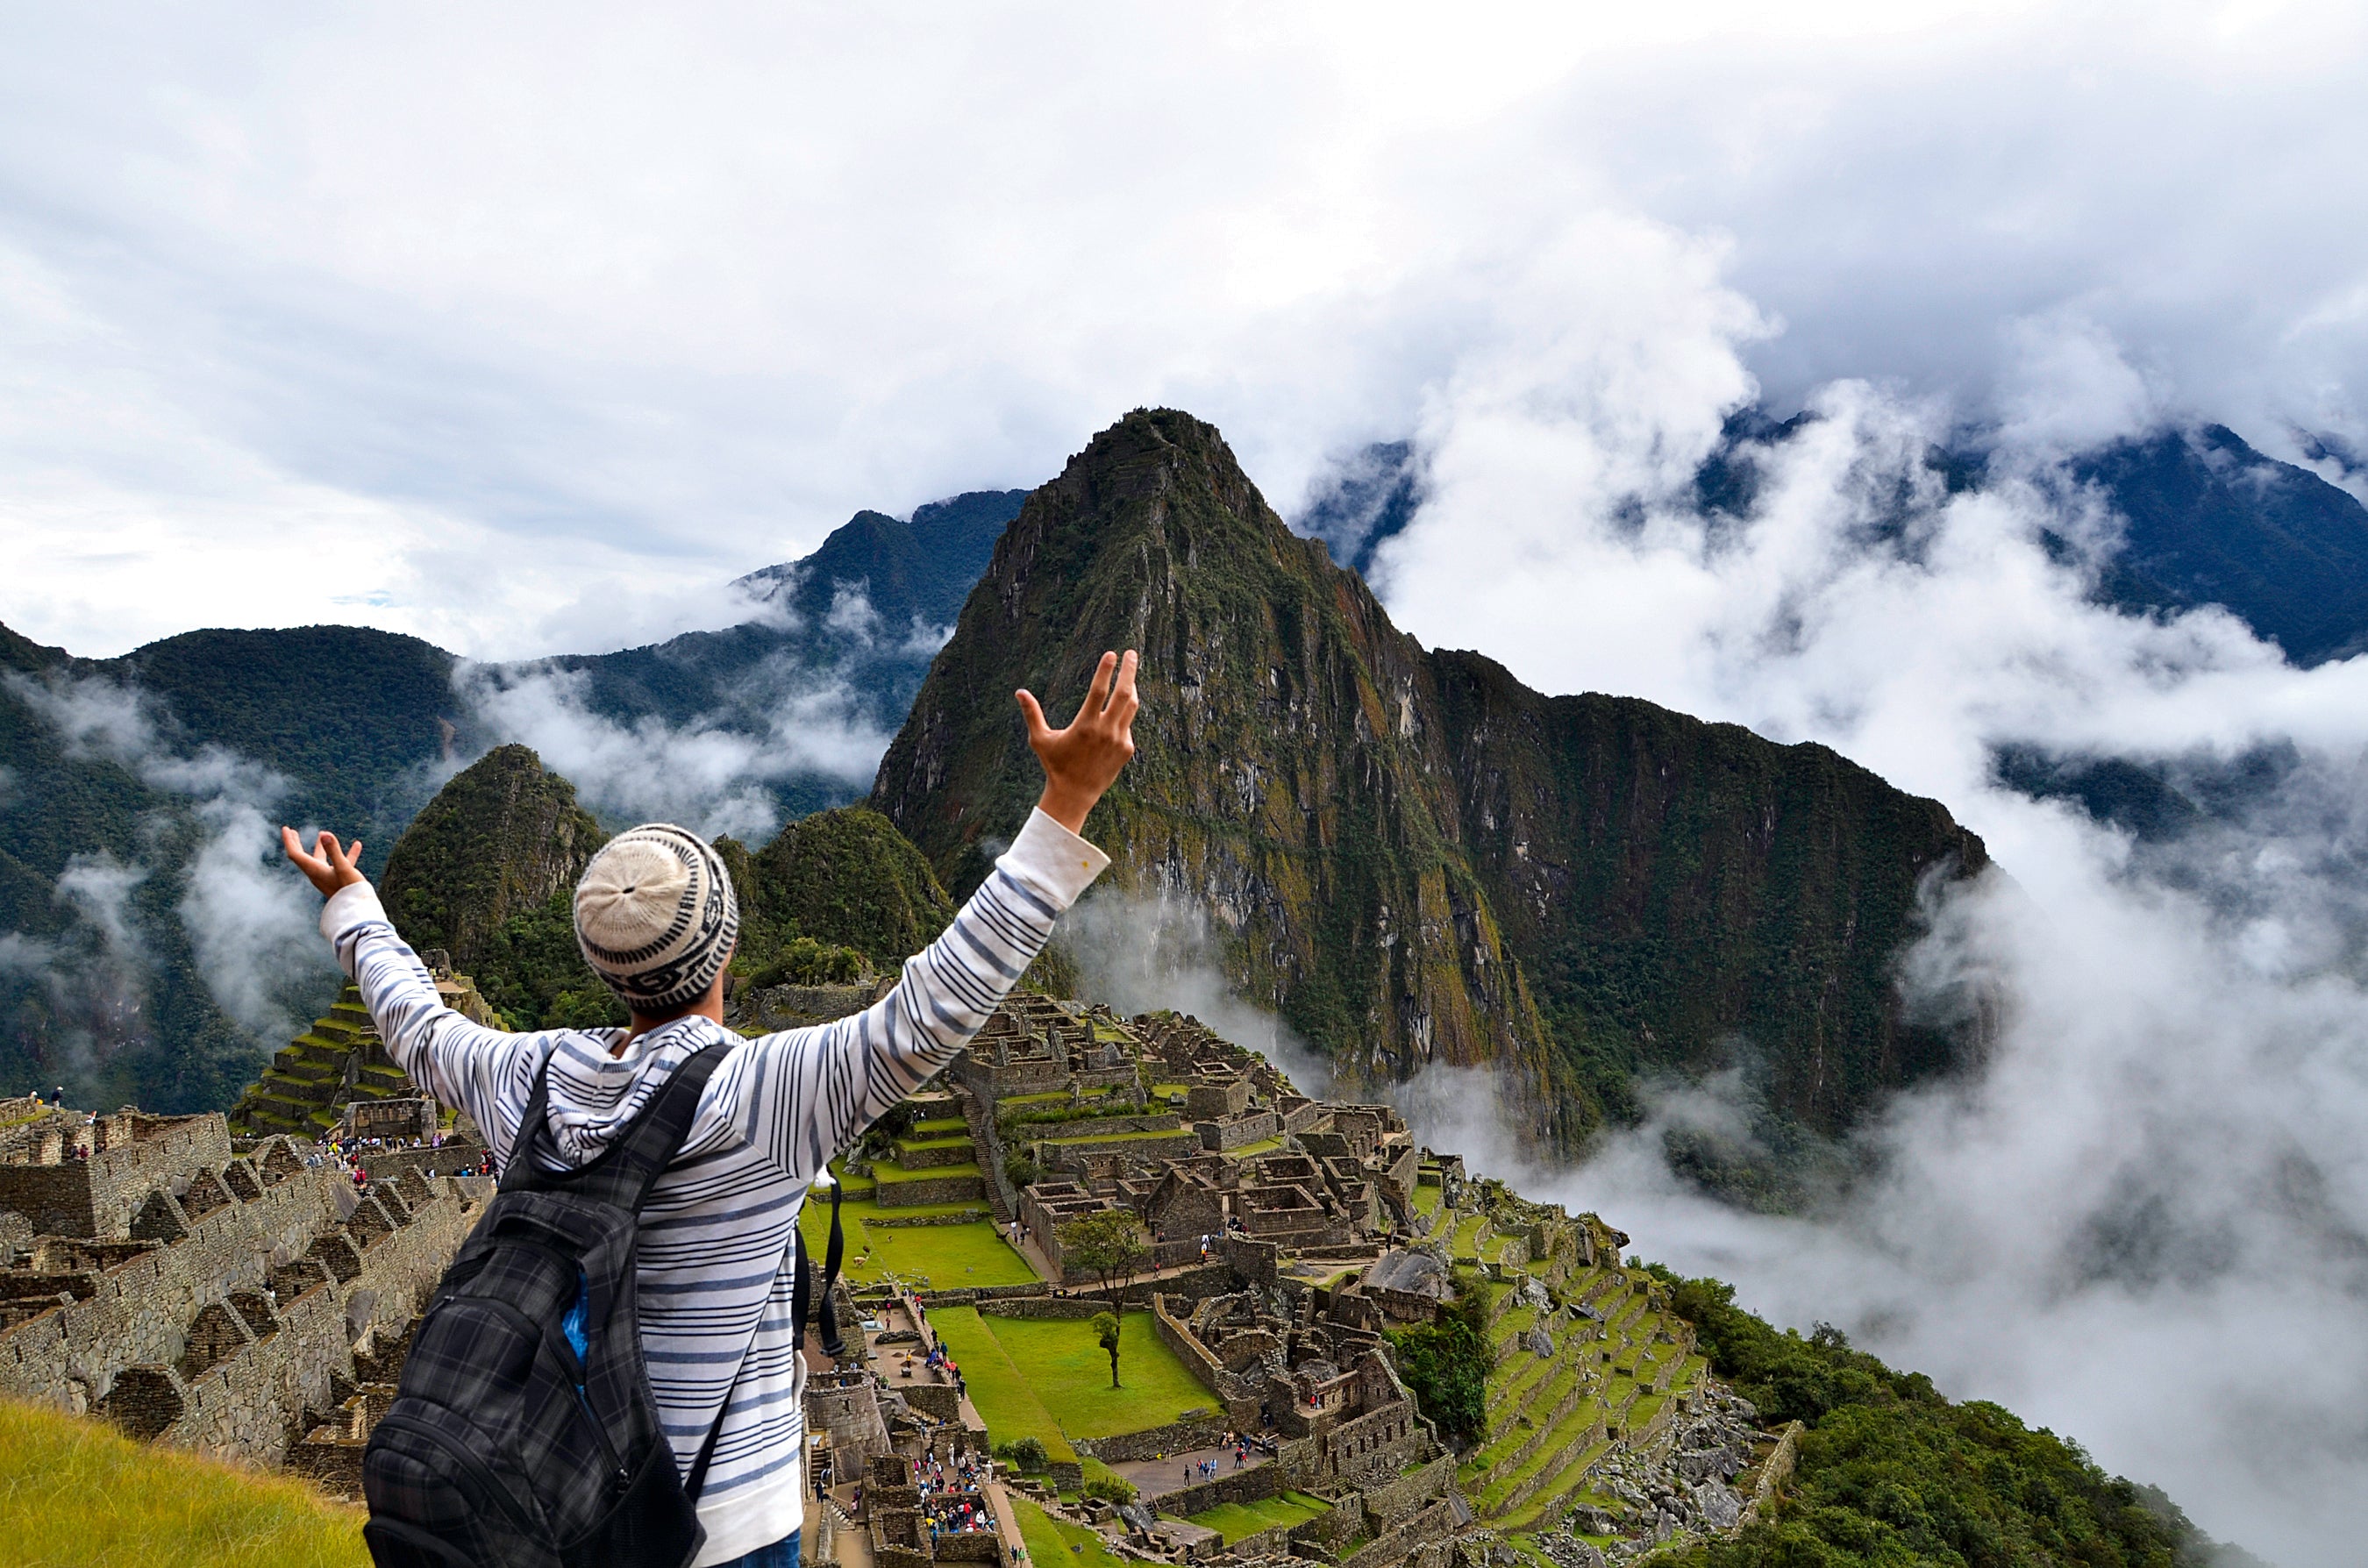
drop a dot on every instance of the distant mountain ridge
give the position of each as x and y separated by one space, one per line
357 725
2207 519
1414 858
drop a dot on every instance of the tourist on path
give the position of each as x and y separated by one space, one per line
657 919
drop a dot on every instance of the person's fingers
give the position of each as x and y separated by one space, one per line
289 847
1098 691
1039 732
354 856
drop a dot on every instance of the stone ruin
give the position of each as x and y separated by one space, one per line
237 1298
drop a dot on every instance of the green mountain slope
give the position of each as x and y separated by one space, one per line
349 728
500 838
846 877
1416 859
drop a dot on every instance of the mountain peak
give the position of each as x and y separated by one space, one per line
500 838
1410 856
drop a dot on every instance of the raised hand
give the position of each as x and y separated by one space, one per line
327 867
1081 761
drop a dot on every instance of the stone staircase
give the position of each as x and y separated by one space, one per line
314 1077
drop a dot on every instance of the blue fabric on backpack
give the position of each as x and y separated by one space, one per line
577 1323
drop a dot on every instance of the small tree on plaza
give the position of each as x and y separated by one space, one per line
1104 1327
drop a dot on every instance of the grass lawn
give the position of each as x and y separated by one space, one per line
891 1174
1006 1401
75 1491
1071 1374
1467 1237
1235 1520
940 1124
1263 1146
957 1139
1056 1543
1427 1199
950 1257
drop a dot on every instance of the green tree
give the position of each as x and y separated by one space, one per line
1107 1244
1445 1364
1105 1327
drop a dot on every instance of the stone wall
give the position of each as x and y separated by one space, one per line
1075 1308
69 1358
99 1195
1234 1131
1382 1438
937 1154
1098 1126
928 1190
1233 1486
1395 1500
251 1405
1172 1438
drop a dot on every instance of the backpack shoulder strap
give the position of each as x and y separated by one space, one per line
625 1171
656 1136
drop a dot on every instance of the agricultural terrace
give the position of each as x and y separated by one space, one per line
1057 1543
1235 1520
1551 1418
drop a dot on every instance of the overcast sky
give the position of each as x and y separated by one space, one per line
520 327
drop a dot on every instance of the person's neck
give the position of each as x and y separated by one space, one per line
706 1007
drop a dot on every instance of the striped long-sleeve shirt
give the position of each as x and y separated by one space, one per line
715 1280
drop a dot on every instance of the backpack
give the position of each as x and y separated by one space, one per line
505 1447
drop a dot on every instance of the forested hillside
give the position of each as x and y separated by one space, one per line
146 959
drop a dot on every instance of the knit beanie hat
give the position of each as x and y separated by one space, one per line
656 916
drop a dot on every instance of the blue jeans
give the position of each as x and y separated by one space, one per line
782 1553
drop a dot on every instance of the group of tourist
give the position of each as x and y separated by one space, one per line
940 1361
1206 1468
352 1152
951 1506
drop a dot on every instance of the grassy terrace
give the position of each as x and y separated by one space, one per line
948 1256
1600 1379
1466 1241
958 1141
940 1124
75 1491
1056 1543
1427 1199
889 1174
1024 1370
1235 1520
1263 1146
1005 1399
1071 1374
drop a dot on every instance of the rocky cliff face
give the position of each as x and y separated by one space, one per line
1415 859
497 841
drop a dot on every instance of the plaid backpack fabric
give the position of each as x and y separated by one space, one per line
507 1448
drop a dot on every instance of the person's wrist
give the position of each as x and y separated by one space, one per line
1068 805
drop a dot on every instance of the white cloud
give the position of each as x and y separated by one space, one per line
250 921
629 304
710 775
2162 1159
